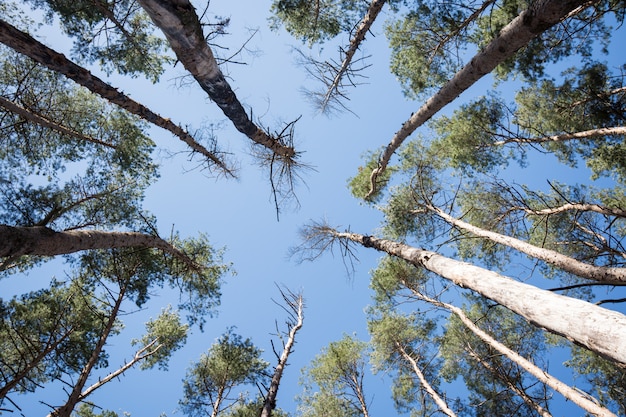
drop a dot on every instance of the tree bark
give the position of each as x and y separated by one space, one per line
443 407
595 328
568 392
43 241
603 131
75 396
270 400
180 24
365 25
541 16
608 275
29 46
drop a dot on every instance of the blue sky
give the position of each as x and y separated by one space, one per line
239 214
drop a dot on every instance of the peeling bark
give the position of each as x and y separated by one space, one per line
181 26
541 16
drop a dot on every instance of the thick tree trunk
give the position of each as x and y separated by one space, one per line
35 50
270 400
541 16
181 26
595 328
608 275
43 241
568 392
443 407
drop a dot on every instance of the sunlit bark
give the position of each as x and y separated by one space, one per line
529 24
597 329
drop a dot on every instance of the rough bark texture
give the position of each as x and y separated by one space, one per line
529 24
181 26
595 328
568 392
32 48
43 241
608 275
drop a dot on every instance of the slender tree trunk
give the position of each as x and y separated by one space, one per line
32 363
365 25
595 328
32 48
43 241
608 275
602 131
139 356
541 16
596 208
568 392
75 395
181 26
510 385
429 389
270 400
45 122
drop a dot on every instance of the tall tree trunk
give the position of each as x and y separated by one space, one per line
568 392
509 384
443 407
180 24
45 122
32 364
43 241
595 328
35 50
365 25
593 133
541 16
75 395
296 306
608 275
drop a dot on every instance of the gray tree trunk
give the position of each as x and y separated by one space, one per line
593 327
542 15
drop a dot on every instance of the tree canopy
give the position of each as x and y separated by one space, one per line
471 154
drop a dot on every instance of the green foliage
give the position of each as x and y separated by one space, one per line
608 380
389 276
316 21
229 363
489 392
89 410
251 409
46 334
361 183
164 335
118 35
334 380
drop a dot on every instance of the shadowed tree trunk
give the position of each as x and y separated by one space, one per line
595 328
541 16
35 50
180 24
43 241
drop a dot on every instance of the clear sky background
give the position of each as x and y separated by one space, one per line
240 215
